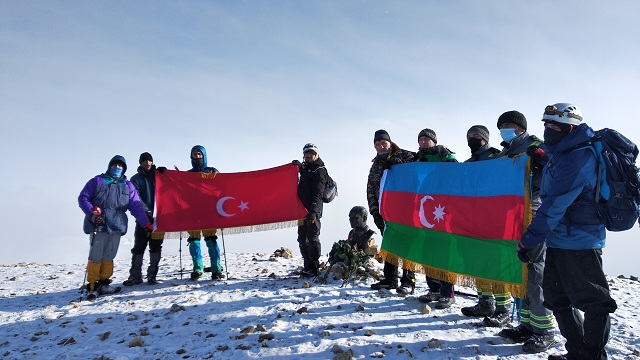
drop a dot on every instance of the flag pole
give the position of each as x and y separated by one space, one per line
180 252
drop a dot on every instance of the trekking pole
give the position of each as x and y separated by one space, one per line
224 249
97 212
180 252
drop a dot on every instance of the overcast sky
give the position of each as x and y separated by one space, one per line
253 81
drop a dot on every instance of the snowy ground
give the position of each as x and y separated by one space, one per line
260 312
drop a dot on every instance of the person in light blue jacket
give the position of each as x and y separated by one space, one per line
567 221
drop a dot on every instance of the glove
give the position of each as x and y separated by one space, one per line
296 163
536 151
311 217
97 219
161 169
150 216
148 229
523 254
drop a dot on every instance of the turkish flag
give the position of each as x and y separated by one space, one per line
198 201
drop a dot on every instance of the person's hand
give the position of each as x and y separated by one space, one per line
311 217
161 169
150 216
148 229
536 151
97 219
523 254
296 163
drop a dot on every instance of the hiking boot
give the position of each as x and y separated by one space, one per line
484 307
107 289
445 302
92 295
431 296
195 275
558 357
405 289
538 343
518 334
385 284
131 281
152 281
217 276
498 319
310 273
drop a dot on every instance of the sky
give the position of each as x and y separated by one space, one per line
260 311
254 81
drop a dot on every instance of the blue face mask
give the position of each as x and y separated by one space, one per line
508 134
115 171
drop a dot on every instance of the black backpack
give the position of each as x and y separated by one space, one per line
330 190
618 189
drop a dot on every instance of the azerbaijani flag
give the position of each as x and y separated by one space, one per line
458 222
236 202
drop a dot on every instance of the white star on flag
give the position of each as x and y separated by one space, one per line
243 205
439 213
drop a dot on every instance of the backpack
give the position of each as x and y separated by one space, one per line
330 190
618 186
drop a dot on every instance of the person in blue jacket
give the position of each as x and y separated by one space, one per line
104 200
573 280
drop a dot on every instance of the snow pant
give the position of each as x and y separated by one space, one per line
196 252
573 281
309 243
102 251
535 317
444 288
140 242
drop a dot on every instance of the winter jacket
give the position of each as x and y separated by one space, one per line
569 181
313 180
518 146
394 156
437 153
114 196
145 183
196 167
485 152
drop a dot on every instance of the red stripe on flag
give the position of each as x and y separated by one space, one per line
195 201
480 217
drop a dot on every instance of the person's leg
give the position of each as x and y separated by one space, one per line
106 268
140 240
214 253
196 254
155 254
314 246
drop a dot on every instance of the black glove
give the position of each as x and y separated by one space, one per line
523 255
161 169
536 151
311 217
148 229
296 162
150 216
97 219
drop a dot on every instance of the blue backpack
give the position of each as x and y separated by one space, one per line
618 189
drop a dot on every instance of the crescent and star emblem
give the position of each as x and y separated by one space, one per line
220 206
438 212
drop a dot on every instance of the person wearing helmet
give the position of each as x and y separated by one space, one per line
536 322
311 186
574 282
104 200
388 154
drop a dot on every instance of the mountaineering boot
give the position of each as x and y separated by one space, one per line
385 284
498 319
430 297
538 343
152 270
92 291
518 334
484 307
406 289
104 287
217 276
135 273
445 302
195 275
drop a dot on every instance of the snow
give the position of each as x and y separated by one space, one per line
261 311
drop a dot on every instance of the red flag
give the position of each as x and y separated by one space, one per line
197 201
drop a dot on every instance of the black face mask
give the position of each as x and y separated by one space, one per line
553 137
474 144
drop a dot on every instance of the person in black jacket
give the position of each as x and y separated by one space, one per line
145 183
313 180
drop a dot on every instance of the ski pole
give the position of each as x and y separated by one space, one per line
224 249
96 211
180 251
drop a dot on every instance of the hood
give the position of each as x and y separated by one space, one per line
579 135
194 164
118 158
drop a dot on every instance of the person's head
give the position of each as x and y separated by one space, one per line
358 217
310 153
117 166
559 120
512 124
146 161
381 141
427 139
477 137
198 156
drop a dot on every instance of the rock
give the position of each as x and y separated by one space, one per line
264 337
306 285
633 278
336 349
434 344
425 309
181 351
105 335
302 310
261 328
67 341
347 355
360 308
175 308
369 333
248 330
136 342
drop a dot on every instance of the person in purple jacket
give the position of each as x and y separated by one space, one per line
104 200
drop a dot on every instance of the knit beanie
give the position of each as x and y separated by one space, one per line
428 133
381 135
145 156
480 130
513 117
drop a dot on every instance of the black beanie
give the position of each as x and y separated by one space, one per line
513 117
145 156
480 130
428 133
381 135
